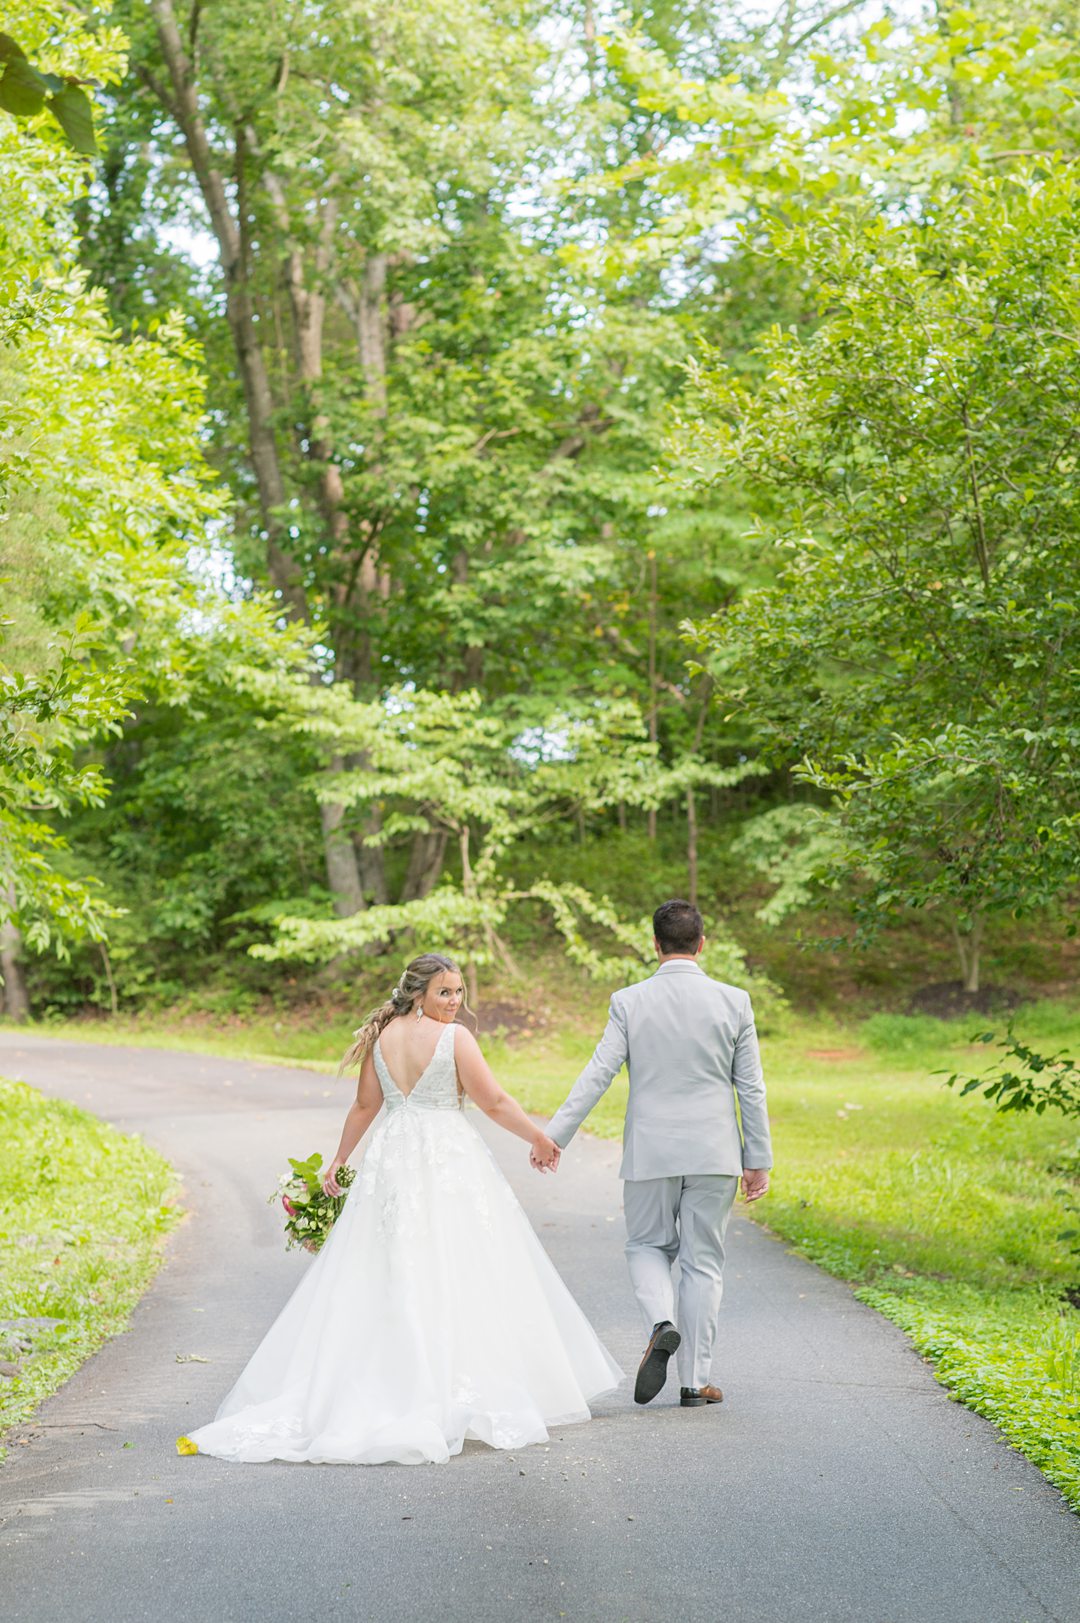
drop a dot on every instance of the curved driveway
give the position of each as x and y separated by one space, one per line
836 1483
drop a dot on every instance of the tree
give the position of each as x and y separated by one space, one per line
484 782
334 165
441 765
915 655
105 494
489 412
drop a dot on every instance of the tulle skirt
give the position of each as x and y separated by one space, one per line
432 1314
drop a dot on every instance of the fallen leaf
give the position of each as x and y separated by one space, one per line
184 1445
191 1358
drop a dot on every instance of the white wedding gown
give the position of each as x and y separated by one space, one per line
431 1314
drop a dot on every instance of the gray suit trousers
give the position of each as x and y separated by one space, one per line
681 1220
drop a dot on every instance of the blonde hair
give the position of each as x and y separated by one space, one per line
416 977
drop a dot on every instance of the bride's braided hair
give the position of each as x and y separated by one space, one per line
410 989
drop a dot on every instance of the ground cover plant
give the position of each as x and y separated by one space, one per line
83 1209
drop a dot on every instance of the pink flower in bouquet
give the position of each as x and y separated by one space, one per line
288 1205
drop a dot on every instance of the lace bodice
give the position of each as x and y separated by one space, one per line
436 1088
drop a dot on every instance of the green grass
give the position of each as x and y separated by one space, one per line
942 1213
83 1209
1011 1355
316 1043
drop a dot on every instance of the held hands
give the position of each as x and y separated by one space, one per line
330 1183
545 1154
755 1183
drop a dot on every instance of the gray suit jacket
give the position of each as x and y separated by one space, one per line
691 1049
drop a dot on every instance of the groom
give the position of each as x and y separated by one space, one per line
691 1050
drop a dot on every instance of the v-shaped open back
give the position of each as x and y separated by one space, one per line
437 1081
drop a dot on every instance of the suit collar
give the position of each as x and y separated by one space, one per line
679 966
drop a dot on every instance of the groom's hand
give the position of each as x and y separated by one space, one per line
545 1155
755 1183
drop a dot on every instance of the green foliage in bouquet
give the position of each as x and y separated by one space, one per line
310 1212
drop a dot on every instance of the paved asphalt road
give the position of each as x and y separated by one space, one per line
835 1483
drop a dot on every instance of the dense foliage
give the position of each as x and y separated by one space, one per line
918 664
395 389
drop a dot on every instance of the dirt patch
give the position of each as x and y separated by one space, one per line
509 1019
835 1053
947 1000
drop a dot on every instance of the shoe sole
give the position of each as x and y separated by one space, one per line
697 1403
653 1372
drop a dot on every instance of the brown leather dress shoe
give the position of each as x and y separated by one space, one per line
652 1371
696 1397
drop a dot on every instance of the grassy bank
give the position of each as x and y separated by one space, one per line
943 1214
82 1212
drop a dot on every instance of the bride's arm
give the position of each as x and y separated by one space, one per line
361 1113
495 1102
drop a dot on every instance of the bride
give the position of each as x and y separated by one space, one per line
432 1312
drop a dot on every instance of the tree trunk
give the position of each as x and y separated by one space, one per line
183 106
425 864
309 319
365 305
106 961
691 801
370 860
953 90
285 574
468 888
472 660
653 694
691 849
16 1003
969 952
342 871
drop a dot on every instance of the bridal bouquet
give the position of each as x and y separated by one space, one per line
310 1212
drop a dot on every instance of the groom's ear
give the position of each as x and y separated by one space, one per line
700 948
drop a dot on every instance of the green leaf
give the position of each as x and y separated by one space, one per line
11 50
72 110
22 89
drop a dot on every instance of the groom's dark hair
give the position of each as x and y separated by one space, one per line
678 926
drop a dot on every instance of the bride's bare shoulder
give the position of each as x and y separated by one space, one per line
390 1034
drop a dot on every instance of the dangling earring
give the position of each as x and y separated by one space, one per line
419 1011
